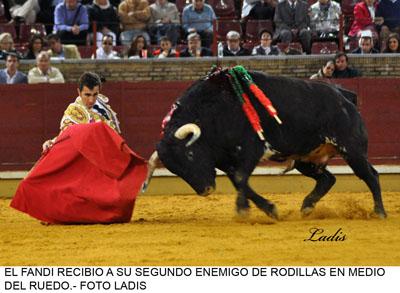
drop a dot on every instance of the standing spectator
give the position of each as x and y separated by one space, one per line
265 48
194 48
106 50
6 45
365 44
134 14
166 50
139 48
24 10
233 47
106 17
364 19
389 10
43 72
11 75
325 16
60 51
71 22
292 21
392 44
326 71
164 21
36 44
342 69
198 17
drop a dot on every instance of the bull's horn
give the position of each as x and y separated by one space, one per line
151 166
187 129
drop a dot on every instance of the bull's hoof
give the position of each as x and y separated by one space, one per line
380 212
272 212
305 211
243 213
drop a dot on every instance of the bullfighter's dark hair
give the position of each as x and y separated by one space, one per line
90 80
340 54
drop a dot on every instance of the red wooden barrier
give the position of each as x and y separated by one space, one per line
30 114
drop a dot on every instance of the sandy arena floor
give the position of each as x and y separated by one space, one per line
191 230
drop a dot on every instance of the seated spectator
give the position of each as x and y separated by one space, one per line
389 10
134 15
263 10
233 47
198 17
194 48
46 13
325 16
11 75
326 71
43 72
139 48
106 17
364 19
342 69
36 44
6 45
24 10
166 50
106 50
365 44
265 48
392 44
292 21
60 51
71 22
164 21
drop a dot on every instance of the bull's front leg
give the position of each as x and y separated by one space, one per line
245 193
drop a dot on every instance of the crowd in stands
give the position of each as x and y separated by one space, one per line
116 29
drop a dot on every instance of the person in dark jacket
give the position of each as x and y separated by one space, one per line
233 47
342 69
265 47
392 44
36 44
194 48
106 17
365 44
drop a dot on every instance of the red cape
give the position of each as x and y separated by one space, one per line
89 175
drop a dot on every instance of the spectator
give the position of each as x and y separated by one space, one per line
364 19
292 21
263 10
24 10
164 21
326 71
392 44
389 10
46 13
342 69
265 48
134 14
106 17
43 72
106 50
166 50
36 44
246 8
60 51
365 44
139 48
198 17
71 22
11 75
325 16
233 47
6 45
194 48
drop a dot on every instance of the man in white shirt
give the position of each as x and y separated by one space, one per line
11 75
43 72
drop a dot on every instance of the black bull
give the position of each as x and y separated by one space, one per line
209 130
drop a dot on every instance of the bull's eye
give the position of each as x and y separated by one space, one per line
189 155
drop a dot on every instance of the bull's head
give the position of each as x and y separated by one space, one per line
184 154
